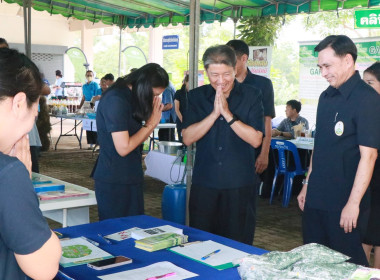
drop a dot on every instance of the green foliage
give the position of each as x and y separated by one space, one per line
260 31
106 52
283 90
330 23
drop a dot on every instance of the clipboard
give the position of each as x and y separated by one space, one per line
220 261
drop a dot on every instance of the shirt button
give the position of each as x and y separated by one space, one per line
220 163
221 118
220 148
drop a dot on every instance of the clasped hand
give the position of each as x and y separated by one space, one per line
221 105
21 150
155 118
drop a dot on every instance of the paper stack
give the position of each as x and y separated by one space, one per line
149 232
161 241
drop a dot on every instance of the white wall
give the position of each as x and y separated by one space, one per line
46 29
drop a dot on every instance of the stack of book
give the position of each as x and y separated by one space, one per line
161 241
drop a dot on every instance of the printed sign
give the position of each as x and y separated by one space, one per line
170 42
367 18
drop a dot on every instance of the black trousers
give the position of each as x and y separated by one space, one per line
119 200
319 226
92 137
34 153
230 213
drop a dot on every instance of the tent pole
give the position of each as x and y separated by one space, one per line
119 51
193 83
29 52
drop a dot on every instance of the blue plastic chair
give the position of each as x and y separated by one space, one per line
282 168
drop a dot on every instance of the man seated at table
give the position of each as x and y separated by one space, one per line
293 118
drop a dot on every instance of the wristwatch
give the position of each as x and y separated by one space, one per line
305 182
234 119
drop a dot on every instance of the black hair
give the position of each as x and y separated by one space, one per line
109 77
221 54
239 46
374 69
90 71
143 80
4 42
19 74
58 73
295 105
341 45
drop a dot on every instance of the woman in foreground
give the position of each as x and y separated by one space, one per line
27 245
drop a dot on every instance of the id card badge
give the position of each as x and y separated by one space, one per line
339 128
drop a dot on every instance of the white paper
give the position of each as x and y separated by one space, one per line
154 270
122 235
149 232
198 250
78 250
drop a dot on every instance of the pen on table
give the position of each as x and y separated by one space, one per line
209 255
91 241
161 276
105 239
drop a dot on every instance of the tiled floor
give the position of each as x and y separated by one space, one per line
277 228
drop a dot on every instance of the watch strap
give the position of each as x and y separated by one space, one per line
234 119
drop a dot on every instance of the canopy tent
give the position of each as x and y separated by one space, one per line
138 13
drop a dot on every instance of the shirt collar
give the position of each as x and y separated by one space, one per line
346 88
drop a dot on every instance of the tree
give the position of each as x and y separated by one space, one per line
260 31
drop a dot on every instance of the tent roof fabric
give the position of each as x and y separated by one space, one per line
138 13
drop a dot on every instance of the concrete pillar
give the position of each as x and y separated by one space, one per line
155 45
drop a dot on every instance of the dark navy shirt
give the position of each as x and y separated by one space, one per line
114 114
266 87
356 105
23 229
223 160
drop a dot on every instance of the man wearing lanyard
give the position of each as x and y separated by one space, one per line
333 198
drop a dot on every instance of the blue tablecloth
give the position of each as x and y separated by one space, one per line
143 258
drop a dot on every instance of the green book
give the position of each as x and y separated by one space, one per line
161 241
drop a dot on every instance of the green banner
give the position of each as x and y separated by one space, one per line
367 18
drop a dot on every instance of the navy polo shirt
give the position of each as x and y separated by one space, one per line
114 114
266 87
223 160
346 118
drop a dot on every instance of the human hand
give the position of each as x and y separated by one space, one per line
261 163
349 217
301 198
275 132
216 110
21 150
223 104
155 118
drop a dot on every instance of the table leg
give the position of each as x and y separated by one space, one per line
64 217
59 135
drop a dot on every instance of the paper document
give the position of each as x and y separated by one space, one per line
122 235
154 270
148 232
211 253
79 251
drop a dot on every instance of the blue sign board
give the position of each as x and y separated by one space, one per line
170 42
